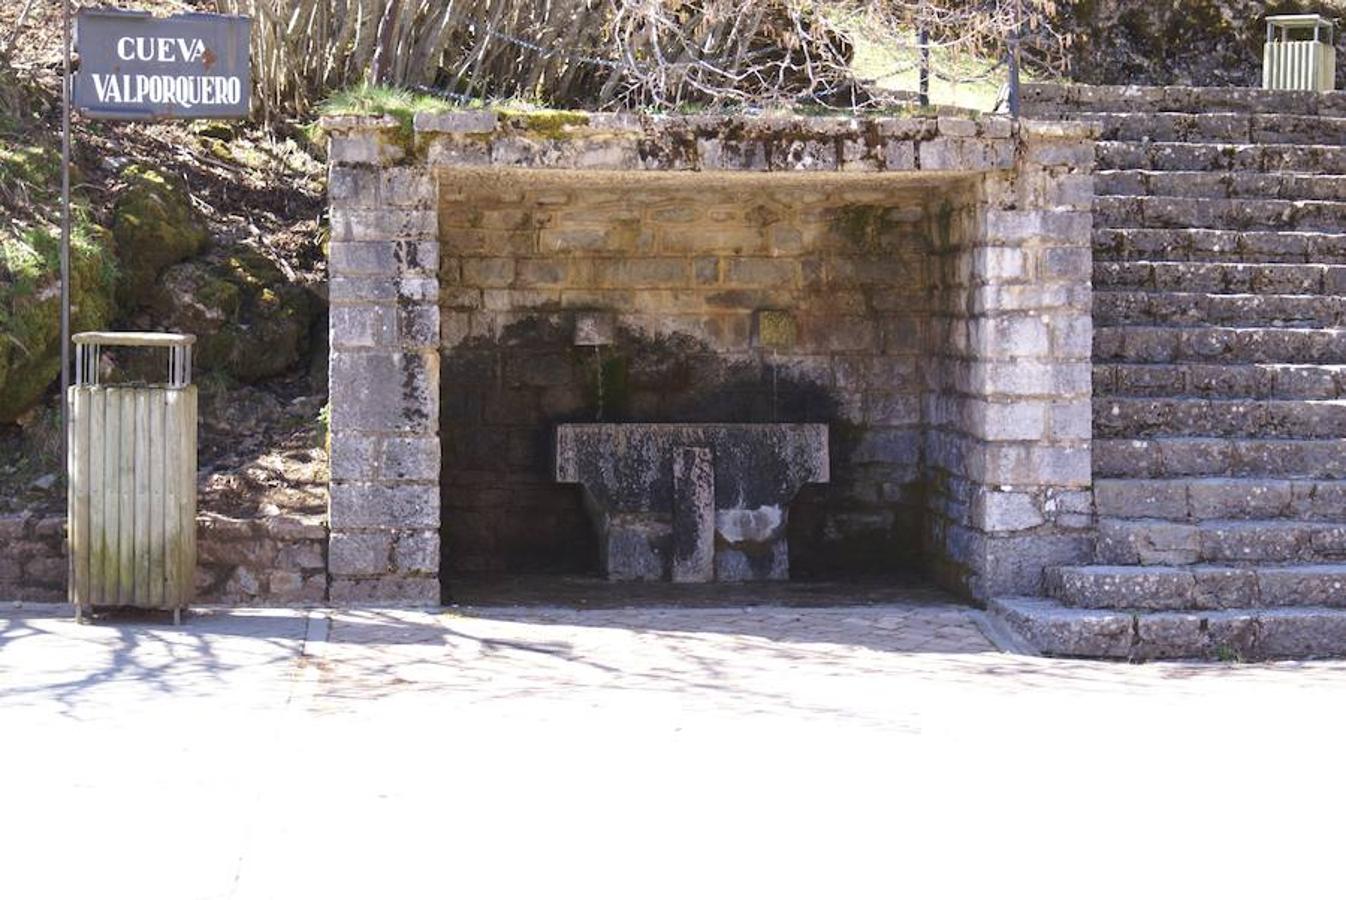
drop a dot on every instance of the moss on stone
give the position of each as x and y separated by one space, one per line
30 306
547 123
155 226
251 323
376 100
776 329
864 227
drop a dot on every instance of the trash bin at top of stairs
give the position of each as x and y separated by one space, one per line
131 473
1308 63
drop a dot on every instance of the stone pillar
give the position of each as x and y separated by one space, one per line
1029 342
384 294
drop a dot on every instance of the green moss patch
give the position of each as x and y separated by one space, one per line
155 226
375 100
30 305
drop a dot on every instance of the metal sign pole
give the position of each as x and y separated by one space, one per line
65 236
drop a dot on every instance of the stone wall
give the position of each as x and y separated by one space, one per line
383 292
920 285
33 566
760 300
276 561
1009 385
273 561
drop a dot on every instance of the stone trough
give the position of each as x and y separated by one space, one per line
694 502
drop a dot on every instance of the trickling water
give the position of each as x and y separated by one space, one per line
775 393
598 377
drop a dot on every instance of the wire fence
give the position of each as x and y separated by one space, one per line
652 54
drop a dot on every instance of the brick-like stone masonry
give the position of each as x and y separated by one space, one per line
273 561
384 375
925 282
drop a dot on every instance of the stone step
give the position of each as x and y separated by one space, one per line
1218 343
1163 542
1229 381
1217 156
1050 627
1219 184
1199 499
1200 586
1221 277
1226 127
1223 457
1070 100
1238 214
1202 308
1116 417
1217 245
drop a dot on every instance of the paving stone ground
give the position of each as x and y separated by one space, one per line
763 752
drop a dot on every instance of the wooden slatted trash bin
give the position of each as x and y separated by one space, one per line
1299 54
132 480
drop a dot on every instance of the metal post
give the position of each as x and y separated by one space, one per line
65 234
923 41
1013 62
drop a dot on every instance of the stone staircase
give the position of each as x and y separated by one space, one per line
1219 379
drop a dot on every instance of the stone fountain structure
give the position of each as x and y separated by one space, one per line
692 502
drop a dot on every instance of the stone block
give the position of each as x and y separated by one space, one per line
1022 420
719 153
899 155
449 151
284 583
645 272
384 506
359 553
48 570
363 325
803 155
474 121
595 329
407 591
995 265
349 187
416 552
1014 565
1074 264
410 459
1031 464
376 391
298 555
775 329
363 147
343 289
383 224
692 544
406 186
1072 337
949 126
355 456
1009 337
418 327
766 271
1005 511
634 548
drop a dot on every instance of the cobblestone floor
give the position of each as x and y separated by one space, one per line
507 752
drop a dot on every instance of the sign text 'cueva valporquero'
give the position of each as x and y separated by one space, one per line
134 65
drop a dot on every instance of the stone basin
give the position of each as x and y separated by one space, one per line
692 502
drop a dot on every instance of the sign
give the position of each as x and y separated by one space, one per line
133 65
